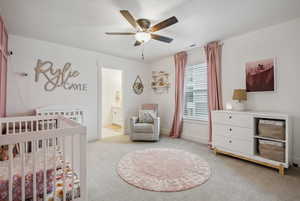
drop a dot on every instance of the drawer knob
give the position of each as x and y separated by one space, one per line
230 141
230 129
230 117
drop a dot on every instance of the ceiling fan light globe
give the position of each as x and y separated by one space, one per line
142 37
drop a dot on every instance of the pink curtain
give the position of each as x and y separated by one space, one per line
213 58
180 64
3 67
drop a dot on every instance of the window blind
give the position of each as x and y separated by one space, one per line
195 92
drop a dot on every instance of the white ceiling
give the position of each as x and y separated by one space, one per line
82 23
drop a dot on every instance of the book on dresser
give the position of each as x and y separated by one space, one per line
260 137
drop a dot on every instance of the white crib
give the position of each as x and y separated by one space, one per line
43 159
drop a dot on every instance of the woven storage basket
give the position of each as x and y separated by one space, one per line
272 129
272 150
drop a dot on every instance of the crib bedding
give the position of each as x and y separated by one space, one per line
17 185
52 160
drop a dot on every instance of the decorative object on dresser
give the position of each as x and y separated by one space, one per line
160 81
259 137
239 95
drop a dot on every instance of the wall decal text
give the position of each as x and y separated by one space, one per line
58 77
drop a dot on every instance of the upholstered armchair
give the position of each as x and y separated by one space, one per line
145 131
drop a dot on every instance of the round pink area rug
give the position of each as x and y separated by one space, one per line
164 170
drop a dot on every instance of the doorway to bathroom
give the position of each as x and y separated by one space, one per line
112 103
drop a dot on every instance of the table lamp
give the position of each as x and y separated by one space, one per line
239 95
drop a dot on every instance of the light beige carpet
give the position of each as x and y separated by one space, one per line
231 179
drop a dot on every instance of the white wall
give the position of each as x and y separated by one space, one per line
192 130
111 83
280 41
24 95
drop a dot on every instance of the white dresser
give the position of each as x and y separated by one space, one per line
235 133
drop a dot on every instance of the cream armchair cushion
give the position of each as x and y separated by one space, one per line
143 127
146 116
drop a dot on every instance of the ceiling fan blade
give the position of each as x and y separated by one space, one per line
137 43
129 18
119 33
161 38
168 22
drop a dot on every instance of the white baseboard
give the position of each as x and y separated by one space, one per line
164 131
93 139
297 160
195 139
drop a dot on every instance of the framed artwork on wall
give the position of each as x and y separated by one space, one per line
160 81
138 86
260 75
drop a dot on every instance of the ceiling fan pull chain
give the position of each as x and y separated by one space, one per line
143 58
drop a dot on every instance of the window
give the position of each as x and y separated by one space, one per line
195 93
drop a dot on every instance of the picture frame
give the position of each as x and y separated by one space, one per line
138 86
261 75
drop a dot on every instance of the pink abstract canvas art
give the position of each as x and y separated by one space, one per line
260 75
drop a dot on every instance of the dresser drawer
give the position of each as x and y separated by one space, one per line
234 119
234 145
233 131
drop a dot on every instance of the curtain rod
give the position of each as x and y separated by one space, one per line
189 49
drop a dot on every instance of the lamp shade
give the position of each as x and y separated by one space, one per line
239 94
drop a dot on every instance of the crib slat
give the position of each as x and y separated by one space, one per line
20 127
37 125
14 127
83 171
34 168
64 167
55 169
22 155
7 129
10 186
72 165
43 123
51 124
45 147
31 126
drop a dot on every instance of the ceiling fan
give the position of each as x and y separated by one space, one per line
144 30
